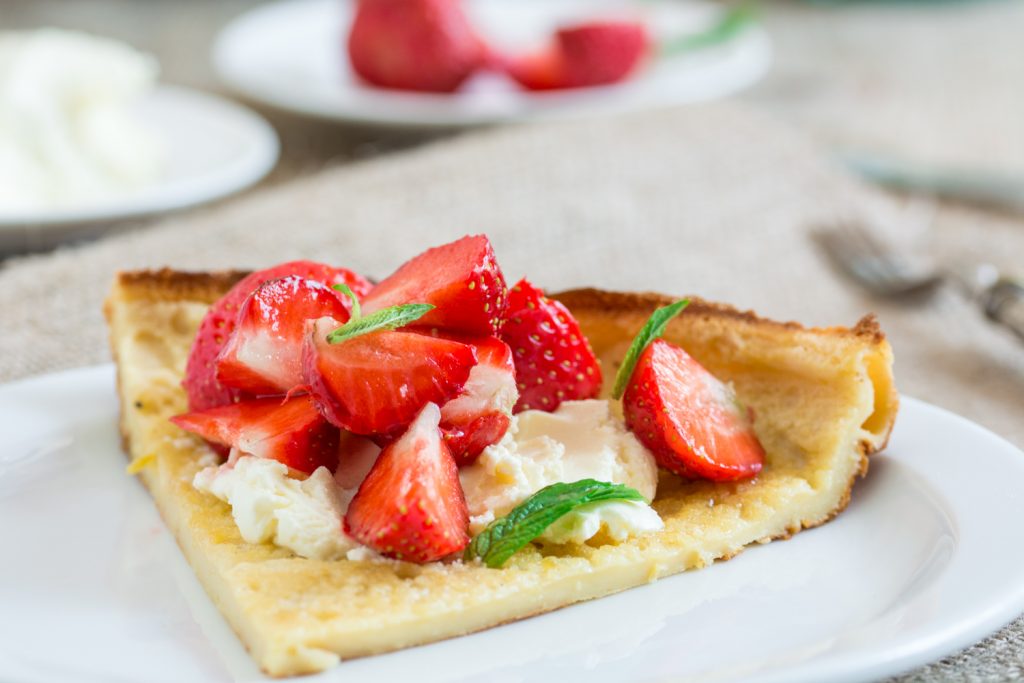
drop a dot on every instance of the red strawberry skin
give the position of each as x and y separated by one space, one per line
201 385
466 441
420 45
411 505
291 431
377 383
264 353
481 414
462 279
598 53
589 54
688 418
553 360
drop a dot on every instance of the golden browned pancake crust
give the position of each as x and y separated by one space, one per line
824 401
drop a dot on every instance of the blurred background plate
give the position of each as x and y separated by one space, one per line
214 148
291 55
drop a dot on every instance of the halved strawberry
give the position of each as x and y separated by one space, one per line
201 385
593 53
411 506
480 415
462 279
554 361
264 353
690 420
291 430
378 382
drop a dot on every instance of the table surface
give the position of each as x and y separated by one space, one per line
934 83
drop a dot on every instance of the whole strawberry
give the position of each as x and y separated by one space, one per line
553 360
424 45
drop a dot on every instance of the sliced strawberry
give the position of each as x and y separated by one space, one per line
423 45
377 383
554 361
480 415
688 418
462 279
411 506
356 455
264 353
594 53
201 385
291 431
467 441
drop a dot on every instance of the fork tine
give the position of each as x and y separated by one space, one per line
871 263
869 257
851 255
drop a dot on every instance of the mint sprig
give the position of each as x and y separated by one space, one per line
389 318
505 536
357 311
732 22
653 329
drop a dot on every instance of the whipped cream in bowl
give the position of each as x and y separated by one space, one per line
69 135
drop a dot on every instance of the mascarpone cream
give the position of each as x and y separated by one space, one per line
579 440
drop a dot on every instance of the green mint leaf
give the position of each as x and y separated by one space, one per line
390 318
505 536
347 291
653 329
735 20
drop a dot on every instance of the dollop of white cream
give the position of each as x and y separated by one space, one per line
580 440
304 516
619 518
68 134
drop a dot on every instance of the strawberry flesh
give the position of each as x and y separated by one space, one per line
553 360
420 45
201 385
462 279
264 353
589 54
689 419
480 415
378 382
291 431
411 505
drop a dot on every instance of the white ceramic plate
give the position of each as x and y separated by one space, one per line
214 147
291 55
926 560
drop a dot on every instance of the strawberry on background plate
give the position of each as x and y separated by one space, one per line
690 420
587 54
201 385
264 353
411 506
424 45
376 383
481 414
553 360
291 431
461 279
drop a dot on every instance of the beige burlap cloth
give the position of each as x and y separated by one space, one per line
711 200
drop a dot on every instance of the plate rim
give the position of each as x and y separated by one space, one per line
857 665
240 175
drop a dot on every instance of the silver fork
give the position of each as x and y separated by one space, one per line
889 273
